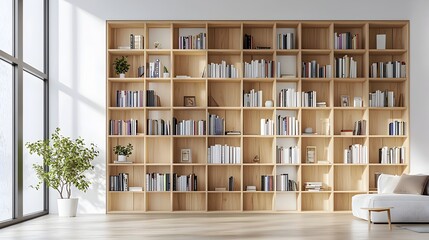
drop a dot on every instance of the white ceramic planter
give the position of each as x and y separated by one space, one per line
166 75
121 75
122 158
67 207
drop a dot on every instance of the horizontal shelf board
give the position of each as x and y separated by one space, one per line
288 79
258 79
387 79
188 164
224 136
315 164
223 80
315 51
258 164
189 80
287 192
126 51
387 51
126 80
388 108
287 164
315 136
258 136
125 212
125 164
231 192
224 52
120 192
159 136
351 191
287 52
259 192
317 108
158 51
288 108
194 192
158 108
320 192
127 136
350 108
189 108
389 164
258 51
327 80
224 108
158 164
189 136
287 136
350 136
350 164
224 164
388 136
161 80
158 192
350 51
199 52
350 80
125 108
258 108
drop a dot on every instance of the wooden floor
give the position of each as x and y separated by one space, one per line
206 226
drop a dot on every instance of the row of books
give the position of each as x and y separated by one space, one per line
346 40
247 41
393 155
123 127
136 41
216 125
267 183
314 186
285 41
193 41
359 127
189 127
345 67
158 127
223 154
287 125
287 155
309 99
313 69
396 69
267 127
356 154
289 97
259 69
152 100
222 70
119 182
283 183
155 69
127 98
382 98
185 183
252 99
159 182
397 128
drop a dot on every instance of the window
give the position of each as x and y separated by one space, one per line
6 25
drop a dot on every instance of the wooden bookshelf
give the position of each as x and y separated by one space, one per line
313 40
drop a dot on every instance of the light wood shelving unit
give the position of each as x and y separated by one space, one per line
224 97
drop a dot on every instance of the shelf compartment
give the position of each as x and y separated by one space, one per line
158 201
396 35
231 58
344 119
267 88
386 169
195 89
218 97
260 201
343 143
323 149
283 28
138 155
224 201
199 171
164 59
224 36
135 62
193 65
377 143
350 178
135 174
120 36
380 119
252 120
289 66
319 120
121 201
259 148
287 201
127 115
315 36
197 146
232 119
218 176
399 90
319 202
353 28
351 90
158 150
262 34
117 86
162 89
159 33
293 173
189 202
187 29
361 69
252 175
317 173
322 90
343 201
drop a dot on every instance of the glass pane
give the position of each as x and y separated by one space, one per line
6 140
33 33
32 131
6 25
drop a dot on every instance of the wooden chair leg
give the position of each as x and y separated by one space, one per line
388 219
369 219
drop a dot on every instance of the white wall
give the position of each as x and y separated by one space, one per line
78 71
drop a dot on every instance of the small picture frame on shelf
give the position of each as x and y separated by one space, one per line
189 101
345 101
186 155
357 102
310 154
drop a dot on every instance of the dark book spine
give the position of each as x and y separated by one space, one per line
132 41
120 182
231 184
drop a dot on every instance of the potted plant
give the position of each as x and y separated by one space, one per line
67 161
121 66
166 73
123 152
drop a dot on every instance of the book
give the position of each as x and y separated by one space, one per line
135 189
381 41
